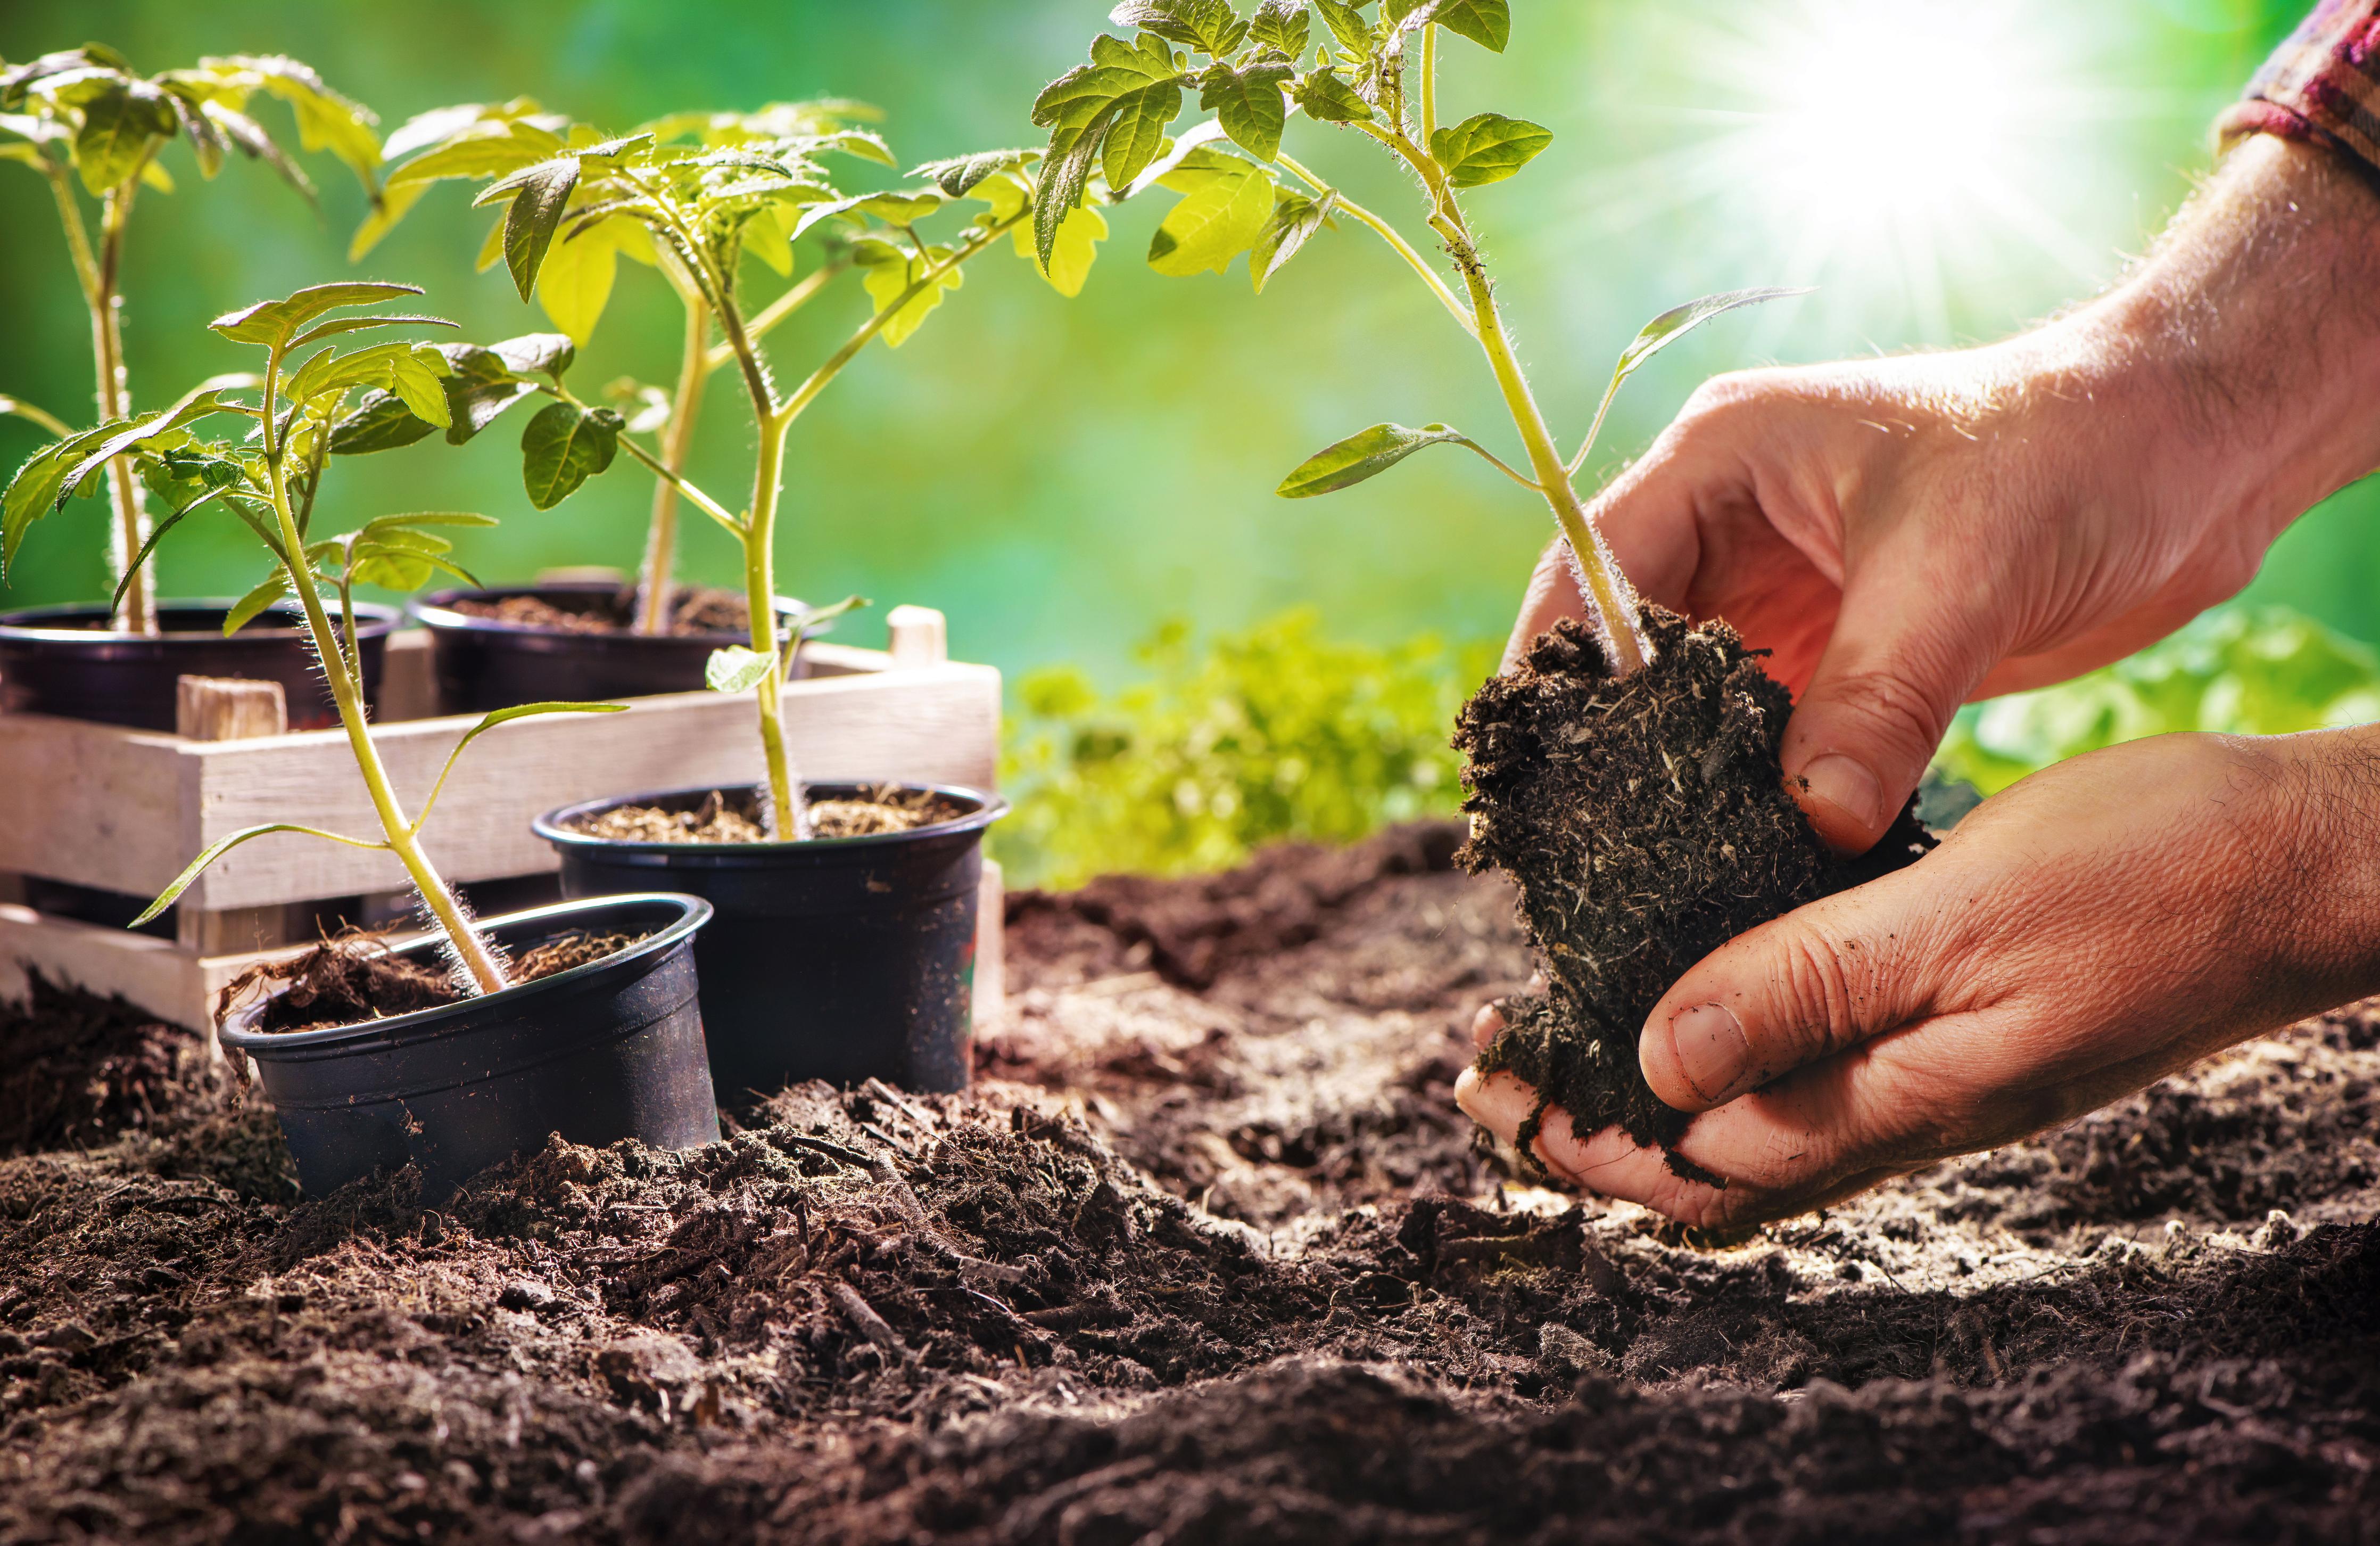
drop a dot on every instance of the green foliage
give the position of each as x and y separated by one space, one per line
1271 734
2249 671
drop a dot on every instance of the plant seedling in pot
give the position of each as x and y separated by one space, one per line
84 117
1626 774
700 194
269 478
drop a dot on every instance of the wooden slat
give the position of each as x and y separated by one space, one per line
93 804
939 724
152 973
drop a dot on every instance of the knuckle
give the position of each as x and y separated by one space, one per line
1815 993
1888 711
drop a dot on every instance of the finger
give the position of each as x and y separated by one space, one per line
1486 1026
1798 989
1900 664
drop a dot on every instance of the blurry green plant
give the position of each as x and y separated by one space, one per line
1270 734
2249 671
83 114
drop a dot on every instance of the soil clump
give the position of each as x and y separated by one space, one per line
693 611
1204 1263
357 978
734 816
1645 822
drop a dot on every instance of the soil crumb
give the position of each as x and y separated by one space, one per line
734 816
355 978
82 1070
1647 823
694 611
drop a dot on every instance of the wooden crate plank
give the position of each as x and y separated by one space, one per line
93 804
152 973
938 723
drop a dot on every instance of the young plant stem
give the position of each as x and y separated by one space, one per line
404 839
1388 233
654 590
136 612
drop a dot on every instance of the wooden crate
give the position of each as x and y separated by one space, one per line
124 810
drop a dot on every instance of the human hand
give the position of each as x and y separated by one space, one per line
1905 533
2098 925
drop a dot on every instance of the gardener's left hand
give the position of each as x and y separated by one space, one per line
2101 924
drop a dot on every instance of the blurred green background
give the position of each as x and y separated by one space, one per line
1062 476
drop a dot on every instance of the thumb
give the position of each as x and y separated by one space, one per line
1794 991
1898 667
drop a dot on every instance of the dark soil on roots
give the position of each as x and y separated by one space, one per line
1645 823
1209 1255
355 978
692 612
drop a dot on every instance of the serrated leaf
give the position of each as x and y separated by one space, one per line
33 491
1324 97
897 207
326 121
422 389
541 194
1210 26
380 422
1295 219
574 283
1346 24
1488 148
352 325
1488 23
240 129
488 151
1281 24
1116 107
737 669
1076 249
887 283
1360 456
959 175
121 128
1218 221
768 237
537 354
563 447
249 607
132 435
274 322
1248 103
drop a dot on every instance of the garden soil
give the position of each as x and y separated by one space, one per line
1207 1255
693 611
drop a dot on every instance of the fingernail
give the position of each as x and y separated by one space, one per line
1849 787
1486 1026
1712 1050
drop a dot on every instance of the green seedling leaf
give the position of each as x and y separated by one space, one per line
563 447
1248 103
1365 454
240 129
380 422
489 150
1295 219
326 121
352 325
1324 97
1675 323
255 604
1282 26
898 208
1115 110
539 195
1186 149
275 323
1347 24
503 716
1488 23
737 669
1488 148
1076 249
1208 26
1222 218
122 125
133 436
216 850
887 283
537 354
958 175
574 285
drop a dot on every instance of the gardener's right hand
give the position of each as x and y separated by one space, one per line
1906 534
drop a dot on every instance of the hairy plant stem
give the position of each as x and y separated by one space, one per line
1606 590
654 589
403 837
135 609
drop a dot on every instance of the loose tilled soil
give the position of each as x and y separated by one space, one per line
1208 1255
1646 823
692 612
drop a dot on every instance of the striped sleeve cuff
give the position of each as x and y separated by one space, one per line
2322 86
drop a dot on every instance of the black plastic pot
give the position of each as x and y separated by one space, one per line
606 1051
64 660
483 664
838 960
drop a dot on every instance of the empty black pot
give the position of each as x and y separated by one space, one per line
606 1051
837 959
484 664
65 659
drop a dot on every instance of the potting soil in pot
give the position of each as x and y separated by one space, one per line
354 979
734 817
1646 823
1207 1255
692 611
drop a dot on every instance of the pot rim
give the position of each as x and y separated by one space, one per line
25 625
436 611
693 913
990 808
